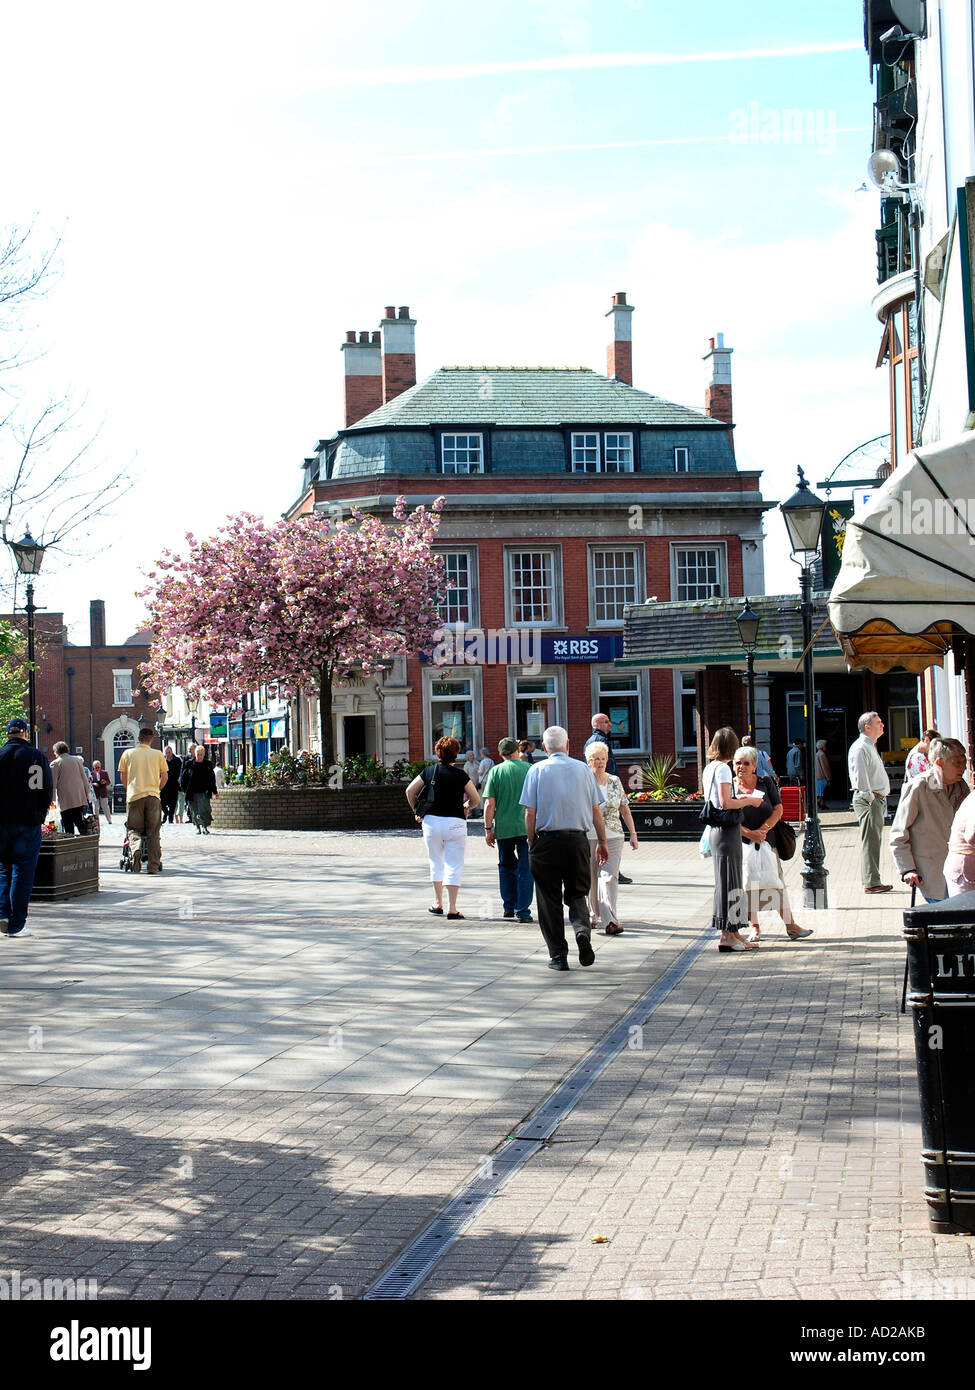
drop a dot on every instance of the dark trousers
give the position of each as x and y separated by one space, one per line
169 800
560 868
72 819
19 847
515 874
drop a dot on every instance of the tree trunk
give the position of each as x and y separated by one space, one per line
325 716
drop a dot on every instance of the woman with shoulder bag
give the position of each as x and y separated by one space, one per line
761 862
725 840
448 794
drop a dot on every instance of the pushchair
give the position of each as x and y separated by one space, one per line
126 862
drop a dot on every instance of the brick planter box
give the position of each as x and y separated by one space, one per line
313 808
67 867
667 820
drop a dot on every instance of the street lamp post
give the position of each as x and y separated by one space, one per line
803 515
748 623
29 553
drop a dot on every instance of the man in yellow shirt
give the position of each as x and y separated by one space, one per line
144 772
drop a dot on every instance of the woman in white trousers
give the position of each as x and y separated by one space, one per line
605 881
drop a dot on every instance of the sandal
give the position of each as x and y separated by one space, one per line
454 916
614 929
437 911
799 933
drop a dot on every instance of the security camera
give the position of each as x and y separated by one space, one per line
896 31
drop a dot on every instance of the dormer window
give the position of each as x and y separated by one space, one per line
598 451
462 453
682 459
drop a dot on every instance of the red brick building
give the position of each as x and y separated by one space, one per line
570 495
89 696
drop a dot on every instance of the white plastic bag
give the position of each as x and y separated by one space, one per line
704 844
759 867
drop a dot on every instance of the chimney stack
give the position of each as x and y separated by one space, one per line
399 352
619 354
97 622
363 375
717 392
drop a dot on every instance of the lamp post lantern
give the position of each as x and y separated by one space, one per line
29 553
748 623
803 515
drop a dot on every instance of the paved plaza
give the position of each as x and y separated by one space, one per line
262 1073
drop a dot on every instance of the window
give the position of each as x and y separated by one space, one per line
682 459
698 573
687 711
613 455
536 706
899 349
459 607
462 453
619 453
533 597
619 698
585 453
452 712
122 687
614 582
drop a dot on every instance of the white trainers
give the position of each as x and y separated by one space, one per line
15 935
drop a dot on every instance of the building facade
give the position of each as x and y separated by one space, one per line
91 697
923 66
570 494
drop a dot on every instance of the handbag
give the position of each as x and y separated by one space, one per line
758 867
713 815
425 804
785 839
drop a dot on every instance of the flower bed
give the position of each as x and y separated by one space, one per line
356 807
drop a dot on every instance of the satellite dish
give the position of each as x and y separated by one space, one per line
882 166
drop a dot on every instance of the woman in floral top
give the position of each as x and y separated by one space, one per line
604 884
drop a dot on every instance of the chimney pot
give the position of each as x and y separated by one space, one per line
364 337
350 335
390 311
404 312
375 336
619 354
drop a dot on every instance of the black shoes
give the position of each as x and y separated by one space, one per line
525 916
558 963
622 878
509 916
586 954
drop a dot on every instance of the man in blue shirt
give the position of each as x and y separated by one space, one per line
562 799
764 768
26 792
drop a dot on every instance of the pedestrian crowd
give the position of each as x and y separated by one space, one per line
156 784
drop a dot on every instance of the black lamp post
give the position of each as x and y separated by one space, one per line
748 623
29 553
803 514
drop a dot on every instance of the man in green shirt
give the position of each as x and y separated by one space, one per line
504 825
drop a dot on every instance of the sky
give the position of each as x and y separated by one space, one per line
237 185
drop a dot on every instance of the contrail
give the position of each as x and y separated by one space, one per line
575 62
602 145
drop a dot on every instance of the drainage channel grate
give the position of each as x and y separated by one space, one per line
406 1274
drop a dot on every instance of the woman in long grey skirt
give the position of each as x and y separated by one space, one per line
730 907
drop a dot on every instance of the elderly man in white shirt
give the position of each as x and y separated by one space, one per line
871 787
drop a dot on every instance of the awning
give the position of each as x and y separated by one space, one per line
906 586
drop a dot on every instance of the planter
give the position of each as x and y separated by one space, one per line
667 820
67 867
356 807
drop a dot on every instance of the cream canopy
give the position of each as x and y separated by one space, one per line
906 586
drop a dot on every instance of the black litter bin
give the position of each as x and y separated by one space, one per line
118 797
941 962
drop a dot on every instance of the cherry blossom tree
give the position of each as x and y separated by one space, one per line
306 603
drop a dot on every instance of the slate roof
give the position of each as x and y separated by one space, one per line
676 634
528 396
